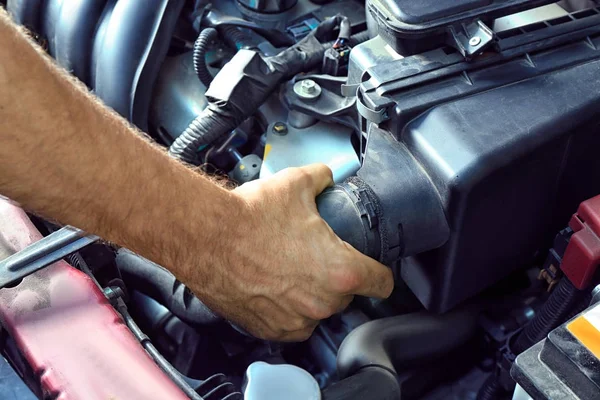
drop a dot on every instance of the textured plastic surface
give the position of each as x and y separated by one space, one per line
409 17
71 336
563 366
413 12
412 26
274 382
508 143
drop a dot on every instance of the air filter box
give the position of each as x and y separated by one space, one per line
412 27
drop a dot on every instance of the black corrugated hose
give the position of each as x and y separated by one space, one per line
200 48
563 303
204 129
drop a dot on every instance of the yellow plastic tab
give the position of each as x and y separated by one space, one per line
587 334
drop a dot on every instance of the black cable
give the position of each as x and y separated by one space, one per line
200 49
158 358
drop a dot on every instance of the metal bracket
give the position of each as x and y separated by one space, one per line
376 116
42 253
472 39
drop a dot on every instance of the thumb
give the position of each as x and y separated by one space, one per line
321 177
376 280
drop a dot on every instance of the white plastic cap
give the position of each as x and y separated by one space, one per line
276 382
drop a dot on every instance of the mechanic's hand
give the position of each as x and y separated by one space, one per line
287 269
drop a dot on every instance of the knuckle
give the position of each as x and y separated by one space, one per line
303 176
318 311
345 280
324 168
298 324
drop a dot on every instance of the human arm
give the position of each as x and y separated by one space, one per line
259 255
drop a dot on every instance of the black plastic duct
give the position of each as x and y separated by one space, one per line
155 281
398 342
390 209
128 52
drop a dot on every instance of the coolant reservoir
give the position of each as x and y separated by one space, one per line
275 382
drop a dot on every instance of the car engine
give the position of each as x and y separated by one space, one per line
463 138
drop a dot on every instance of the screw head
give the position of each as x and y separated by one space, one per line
474 41
280 128
308 85
307 89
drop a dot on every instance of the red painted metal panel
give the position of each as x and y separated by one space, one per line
71 336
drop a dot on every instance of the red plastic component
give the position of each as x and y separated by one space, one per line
71 336
582 256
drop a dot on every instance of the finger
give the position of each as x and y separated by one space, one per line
300 335
374 278
321 177
278 320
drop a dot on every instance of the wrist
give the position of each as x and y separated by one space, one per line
206 230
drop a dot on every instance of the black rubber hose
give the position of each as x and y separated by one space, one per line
359 38
200 48
561 303
155 281
399 341
234 37
217 19
369 383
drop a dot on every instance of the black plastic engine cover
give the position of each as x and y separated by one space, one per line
411 26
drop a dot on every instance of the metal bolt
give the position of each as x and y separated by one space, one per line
309 86
474 41
307 89
280 128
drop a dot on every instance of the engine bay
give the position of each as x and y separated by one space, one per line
463 138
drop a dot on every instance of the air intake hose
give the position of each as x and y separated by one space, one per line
391 208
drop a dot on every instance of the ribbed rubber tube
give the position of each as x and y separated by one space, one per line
491 389
554 312
203 130
200 48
